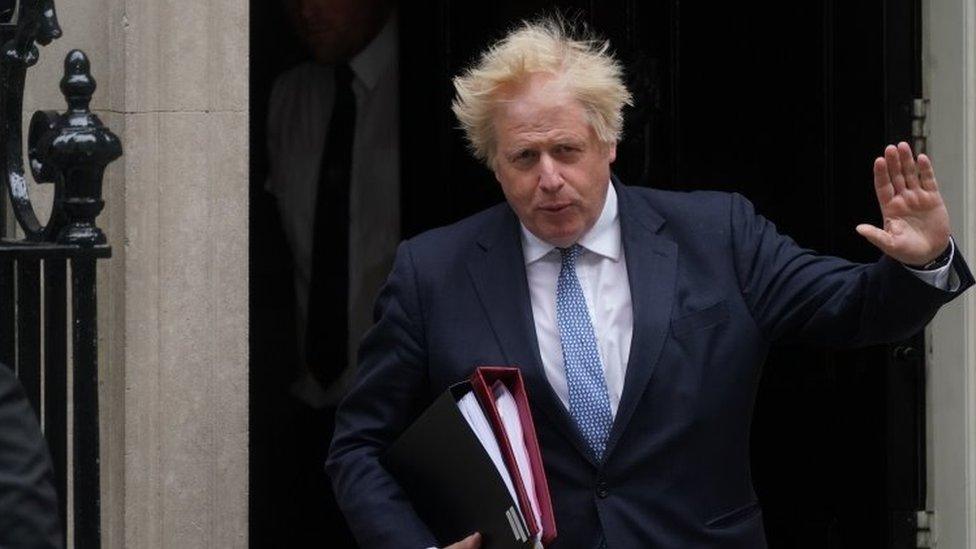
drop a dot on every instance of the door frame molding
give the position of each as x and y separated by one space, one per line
949 79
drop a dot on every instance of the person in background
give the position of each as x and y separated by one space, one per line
334 172
333 143
28 501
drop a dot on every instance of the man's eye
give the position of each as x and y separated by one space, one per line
565 149
523 156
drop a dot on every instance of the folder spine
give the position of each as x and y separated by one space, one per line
481 381
484 394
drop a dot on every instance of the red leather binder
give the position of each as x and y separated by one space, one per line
482 381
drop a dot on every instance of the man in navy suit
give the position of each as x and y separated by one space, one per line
640 318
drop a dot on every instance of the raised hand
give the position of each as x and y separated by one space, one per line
916 222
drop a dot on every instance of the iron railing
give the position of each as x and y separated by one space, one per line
70 151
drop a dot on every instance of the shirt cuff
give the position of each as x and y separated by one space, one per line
944 278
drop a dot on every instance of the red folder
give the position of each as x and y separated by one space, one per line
482 381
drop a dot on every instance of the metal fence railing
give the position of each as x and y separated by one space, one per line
40 263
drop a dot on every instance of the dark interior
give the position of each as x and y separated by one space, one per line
785 103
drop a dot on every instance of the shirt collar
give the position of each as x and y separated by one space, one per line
368 64
603 238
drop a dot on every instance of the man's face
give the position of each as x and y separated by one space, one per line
553 169
335 30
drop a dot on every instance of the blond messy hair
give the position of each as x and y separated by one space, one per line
551 45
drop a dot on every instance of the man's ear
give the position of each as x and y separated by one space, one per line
611 152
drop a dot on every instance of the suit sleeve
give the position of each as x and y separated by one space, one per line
389 391
28 503
795 294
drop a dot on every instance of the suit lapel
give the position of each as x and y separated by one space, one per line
498 273
651 270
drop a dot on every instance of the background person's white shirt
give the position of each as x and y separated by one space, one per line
298 119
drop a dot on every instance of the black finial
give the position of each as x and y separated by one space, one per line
48 27
78 146
78 85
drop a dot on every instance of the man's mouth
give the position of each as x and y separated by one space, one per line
555 208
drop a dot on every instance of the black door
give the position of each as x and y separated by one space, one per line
787 103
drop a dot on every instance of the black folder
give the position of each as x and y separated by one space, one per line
451 480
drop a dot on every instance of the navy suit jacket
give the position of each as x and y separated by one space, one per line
713 286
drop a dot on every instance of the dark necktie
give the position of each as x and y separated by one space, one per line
327 331
589 400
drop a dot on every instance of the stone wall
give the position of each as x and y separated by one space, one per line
173 306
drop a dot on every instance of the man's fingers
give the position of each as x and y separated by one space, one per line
894 168
874 235
882 183
927 173
908 169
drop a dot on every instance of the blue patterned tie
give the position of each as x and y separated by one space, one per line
589 402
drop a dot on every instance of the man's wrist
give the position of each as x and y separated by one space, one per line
941 261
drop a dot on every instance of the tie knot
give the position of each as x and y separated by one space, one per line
570 254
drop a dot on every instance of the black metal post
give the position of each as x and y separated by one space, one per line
56 375
87 494
8 340
29 330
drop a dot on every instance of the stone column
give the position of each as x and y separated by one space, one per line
949 47
173 303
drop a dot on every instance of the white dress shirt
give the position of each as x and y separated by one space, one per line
299 113
602 272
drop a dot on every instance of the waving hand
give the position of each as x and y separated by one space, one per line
916 222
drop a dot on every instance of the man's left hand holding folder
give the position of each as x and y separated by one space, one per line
471 542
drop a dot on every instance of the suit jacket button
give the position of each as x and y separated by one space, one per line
601 489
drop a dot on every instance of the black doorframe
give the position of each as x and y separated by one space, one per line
906 467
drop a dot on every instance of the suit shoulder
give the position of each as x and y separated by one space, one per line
689 205
457 237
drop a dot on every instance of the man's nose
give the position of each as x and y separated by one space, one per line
549 178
